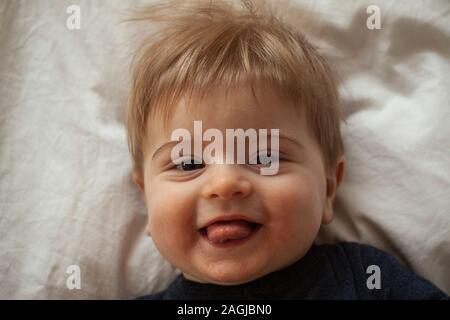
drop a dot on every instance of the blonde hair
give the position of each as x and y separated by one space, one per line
206 43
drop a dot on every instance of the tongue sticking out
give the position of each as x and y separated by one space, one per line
222 231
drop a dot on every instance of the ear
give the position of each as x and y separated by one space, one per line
138 181
333 181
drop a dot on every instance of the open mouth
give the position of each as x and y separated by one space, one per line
229 233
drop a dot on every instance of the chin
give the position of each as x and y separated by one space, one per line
232 276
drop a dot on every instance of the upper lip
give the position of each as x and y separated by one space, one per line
230 217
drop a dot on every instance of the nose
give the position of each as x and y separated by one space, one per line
226 182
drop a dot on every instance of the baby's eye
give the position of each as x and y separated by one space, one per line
265 158
189 165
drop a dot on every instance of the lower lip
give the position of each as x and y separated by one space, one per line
232 243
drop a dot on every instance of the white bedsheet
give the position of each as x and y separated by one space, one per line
66 196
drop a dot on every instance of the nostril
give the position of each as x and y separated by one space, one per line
227 189
226 196
203 231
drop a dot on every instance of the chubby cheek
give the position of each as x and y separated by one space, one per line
294 211
171 220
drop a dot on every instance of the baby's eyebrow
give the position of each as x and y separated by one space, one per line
163 147
298 144
290 139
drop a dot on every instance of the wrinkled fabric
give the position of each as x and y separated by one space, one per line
66 196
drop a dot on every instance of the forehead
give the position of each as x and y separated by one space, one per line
244 106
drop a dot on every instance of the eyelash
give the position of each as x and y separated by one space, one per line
192 163
179 166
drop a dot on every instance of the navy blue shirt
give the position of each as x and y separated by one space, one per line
336 271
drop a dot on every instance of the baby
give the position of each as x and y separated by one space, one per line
234 232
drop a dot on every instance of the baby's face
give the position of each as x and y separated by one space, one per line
285 209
